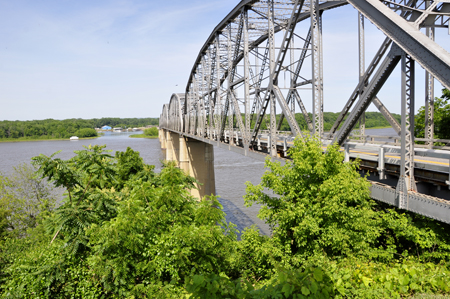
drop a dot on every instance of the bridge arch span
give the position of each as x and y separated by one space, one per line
175 112
262 66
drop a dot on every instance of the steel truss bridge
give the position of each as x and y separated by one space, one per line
258 43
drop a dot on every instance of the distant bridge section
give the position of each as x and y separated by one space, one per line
263 56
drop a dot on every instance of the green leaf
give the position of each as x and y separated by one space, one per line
318 274
366 281
404 280
314 287
305 291
198 279
287 290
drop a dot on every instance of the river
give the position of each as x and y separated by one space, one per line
232 170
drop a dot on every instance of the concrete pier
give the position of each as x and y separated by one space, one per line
194 157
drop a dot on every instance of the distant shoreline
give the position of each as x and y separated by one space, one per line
21 139
142 136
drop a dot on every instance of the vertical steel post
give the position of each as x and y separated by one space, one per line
292 62
429 95
219 110
317 76
210 101
187 120
190 104
196 106
381 166
193 113
246 134
201 95
271 45
229 91
362 69
406 181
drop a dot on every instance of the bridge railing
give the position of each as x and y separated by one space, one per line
440 144
435 169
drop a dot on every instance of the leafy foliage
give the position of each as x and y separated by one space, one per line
441 118
86 132
123 230
311 283
153 131
320 206
24 200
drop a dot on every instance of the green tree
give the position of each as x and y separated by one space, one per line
123 230
320 205
86 132
5 208
25 201
24 198
441 118
153 131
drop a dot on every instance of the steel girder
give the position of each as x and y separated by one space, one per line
379 78
431 56
406 181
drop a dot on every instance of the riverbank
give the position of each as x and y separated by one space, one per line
24 139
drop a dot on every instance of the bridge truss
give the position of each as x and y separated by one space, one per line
260 57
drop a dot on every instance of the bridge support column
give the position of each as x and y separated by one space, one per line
183 161
200 158
170 155
162 138
194 157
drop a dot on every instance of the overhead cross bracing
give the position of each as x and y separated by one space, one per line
265 58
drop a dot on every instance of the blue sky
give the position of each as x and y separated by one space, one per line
65 58
123 58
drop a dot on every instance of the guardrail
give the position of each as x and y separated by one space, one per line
390 154
395 140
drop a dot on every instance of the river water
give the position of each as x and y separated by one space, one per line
232 170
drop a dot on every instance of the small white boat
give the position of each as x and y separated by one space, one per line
74 138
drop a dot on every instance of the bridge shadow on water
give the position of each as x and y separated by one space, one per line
238 217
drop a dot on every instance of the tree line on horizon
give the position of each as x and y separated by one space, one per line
373 120
53 129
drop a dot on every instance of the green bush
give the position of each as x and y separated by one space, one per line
87 132
122 231
153 131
